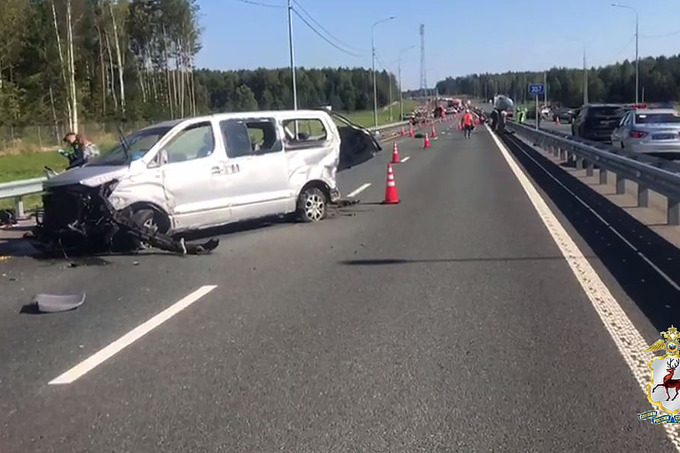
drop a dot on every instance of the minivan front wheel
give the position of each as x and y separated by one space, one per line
152 221
312 205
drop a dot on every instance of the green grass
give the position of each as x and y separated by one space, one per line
366 118
26 166
29 165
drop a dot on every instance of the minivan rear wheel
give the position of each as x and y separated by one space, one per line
312 205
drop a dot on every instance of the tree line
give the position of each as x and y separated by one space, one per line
65 62
659 82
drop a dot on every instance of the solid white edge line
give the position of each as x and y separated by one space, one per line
405 159
109 351
607 224
627 338
358 190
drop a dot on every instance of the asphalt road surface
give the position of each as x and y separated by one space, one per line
563 128
448 322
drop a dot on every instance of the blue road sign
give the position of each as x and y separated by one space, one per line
536 89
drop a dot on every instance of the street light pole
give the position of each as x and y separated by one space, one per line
292 54
637 56
637 48
401 89
375 86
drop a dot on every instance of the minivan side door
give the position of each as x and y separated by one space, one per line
192 169
254 148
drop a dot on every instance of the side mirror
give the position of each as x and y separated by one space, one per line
159 160
163 157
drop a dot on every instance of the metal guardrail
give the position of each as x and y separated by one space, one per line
19 189
649 173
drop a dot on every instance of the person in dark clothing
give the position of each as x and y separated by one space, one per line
502 119
494 119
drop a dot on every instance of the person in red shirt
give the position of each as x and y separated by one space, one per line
468 123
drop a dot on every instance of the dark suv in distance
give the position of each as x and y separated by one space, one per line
597 121
566 115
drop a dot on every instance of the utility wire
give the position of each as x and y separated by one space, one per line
324 29
295 10
250 2
632 38
322 36
665 35
380 63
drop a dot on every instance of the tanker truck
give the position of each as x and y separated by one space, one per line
504 104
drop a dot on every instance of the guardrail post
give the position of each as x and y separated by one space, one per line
642 196
603 176
19 208
620 185
673 215
579 163
556 151
590 169
563 153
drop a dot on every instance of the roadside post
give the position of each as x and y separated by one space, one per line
537 90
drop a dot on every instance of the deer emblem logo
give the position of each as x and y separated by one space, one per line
668 381
664 387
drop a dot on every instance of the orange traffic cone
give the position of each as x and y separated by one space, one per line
391 192
412 132
395 154
426 143
434 132
557 120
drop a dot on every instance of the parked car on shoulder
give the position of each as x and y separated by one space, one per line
207 171
650 131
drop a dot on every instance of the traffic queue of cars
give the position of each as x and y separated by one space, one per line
638 128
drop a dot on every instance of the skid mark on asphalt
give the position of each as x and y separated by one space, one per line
126 340
627 338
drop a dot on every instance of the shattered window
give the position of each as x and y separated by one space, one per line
236 138
310 132
194 142
263 136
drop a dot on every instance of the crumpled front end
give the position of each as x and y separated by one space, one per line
74 217
82 219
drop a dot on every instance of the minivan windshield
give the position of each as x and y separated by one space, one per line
657 118
138 144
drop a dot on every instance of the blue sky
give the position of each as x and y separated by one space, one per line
536 34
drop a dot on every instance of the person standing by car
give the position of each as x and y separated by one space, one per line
82 149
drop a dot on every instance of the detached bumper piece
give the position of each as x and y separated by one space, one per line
81 218
53 303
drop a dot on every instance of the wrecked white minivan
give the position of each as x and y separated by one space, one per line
203 172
